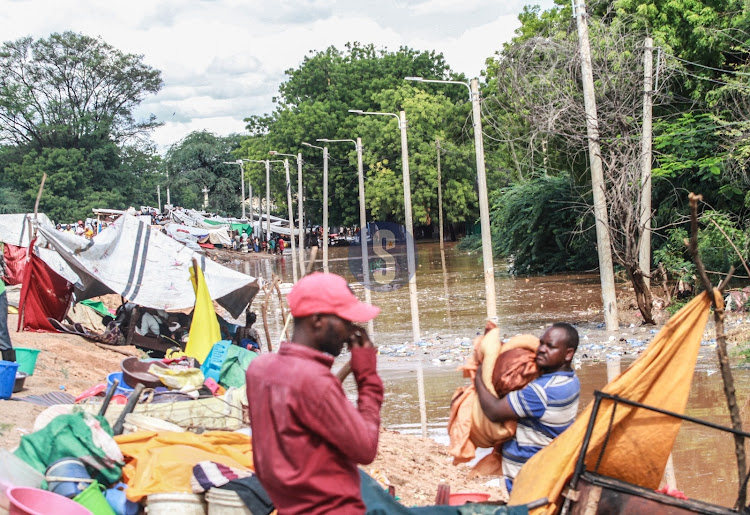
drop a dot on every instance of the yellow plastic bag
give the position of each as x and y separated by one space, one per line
180 379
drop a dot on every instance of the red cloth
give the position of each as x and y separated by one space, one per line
307 436
15 261
44 295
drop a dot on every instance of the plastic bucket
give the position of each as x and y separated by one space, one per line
175 503
225 502
68 477
7 378
460 498
136 422
93 499
20 380
33 501
15 472
26 359
116 498
122 388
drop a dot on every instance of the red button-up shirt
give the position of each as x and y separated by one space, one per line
307 436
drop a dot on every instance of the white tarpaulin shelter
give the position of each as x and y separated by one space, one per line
145 267
218 235
14 228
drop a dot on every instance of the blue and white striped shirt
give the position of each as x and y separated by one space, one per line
545 408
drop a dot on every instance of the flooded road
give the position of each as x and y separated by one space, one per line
452 310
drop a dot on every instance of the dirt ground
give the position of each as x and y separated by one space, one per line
415 466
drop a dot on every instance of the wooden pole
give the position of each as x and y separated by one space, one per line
721 347
604 247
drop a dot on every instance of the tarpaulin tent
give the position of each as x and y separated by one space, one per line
44 295
16 230
145 267
15 262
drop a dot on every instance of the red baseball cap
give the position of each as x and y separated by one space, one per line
329 294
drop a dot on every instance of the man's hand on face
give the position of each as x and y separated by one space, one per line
359 338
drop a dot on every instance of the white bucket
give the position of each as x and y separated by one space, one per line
175 503
135 422
225 502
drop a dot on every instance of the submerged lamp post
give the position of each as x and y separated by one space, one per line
362 221
242 181
410 258
300 207
291 213
484 210
325 202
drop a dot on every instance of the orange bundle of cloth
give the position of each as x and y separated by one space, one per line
505 367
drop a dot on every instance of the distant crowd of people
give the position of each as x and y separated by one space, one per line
88 230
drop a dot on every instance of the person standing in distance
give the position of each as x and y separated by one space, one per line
307 436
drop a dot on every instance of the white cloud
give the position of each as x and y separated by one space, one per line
223 60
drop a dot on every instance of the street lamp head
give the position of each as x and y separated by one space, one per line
272 152
417 79
323 140
356 111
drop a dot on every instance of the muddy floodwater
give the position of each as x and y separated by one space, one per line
452 311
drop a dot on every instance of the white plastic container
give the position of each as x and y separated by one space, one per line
175 503
135 422
15 472
225 502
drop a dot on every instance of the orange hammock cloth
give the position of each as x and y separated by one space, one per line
660 377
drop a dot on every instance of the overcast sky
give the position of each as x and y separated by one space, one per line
223 60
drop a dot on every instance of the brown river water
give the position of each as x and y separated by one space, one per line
452 311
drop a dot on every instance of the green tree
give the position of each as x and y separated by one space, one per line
197 162
71 90
314 103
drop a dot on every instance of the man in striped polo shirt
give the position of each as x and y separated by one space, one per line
545 407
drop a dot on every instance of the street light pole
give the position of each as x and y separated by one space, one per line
362 222
298 157
291 215
242 181
300 200
325 202
410 254
484 210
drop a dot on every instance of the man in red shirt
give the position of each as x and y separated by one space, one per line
307 436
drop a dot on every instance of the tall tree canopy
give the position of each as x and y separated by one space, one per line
314 103
67 109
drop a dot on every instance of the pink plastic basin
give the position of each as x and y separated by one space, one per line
33 501
460 498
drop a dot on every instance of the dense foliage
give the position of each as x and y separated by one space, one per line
66 109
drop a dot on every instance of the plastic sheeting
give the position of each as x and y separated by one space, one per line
14 228
163 462
15 262
145 267
218 235
44 295
640 440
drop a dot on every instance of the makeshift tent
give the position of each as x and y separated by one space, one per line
15 262
640 441
15 228
145 267
218 235
44 295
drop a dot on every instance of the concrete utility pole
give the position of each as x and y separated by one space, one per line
158 196
484 209
325 202
250 194
300 208
291 218
604 247
362 222
409 226
268 200
644 251
440 196
169 202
